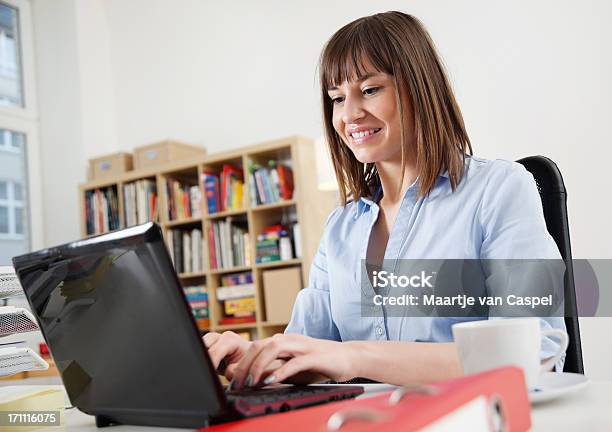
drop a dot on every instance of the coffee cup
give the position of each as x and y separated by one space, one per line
488 344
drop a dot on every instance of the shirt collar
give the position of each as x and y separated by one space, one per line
365 203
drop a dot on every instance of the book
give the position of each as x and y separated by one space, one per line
285 176
297 240
212 248
230 240
270 184
235 291
185 247
195 198
236 320
186 240
101 210
197 297
244 306
229 176
211 191
237 279
196 250
184 200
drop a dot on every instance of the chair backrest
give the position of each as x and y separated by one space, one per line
554 202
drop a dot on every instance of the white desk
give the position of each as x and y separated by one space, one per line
587 410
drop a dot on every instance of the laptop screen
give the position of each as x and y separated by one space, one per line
115 318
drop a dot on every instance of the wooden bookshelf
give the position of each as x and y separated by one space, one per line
309 207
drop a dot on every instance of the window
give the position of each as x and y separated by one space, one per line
12 215
10 65
11 141
4 222
21 213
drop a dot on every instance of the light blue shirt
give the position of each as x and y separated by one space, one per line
495 213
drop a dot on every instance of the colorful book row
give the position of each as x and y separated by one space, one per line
270 184
197 297
224 191
229 244
101 210
184 200
140 202
185 247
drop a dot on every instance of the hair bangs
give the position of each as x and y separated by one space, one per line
352 53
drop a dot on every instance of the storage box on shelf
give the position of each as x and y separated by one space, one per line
110 165
160 153
213 209
281 287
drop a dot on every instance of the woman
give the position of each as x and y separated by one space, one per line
400 148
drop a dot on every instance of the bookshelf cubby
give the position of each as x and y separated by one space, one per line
306 206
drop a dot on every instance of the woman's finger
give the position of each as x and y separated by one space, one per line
294 366
268 358
210 339
229 371
217 353
221 350
241 370
275 347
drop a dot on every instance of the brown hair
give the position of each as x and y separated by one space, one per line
397 44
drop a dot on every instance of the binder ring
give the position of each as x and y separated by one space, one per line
422 389
338 419
497 414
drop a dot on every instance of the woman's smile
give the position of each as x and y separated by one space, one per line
361 135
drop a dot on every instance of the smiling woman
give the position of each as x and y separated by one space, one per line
387 66
411 190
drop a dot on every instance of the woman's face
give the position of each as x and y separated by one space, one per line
366 116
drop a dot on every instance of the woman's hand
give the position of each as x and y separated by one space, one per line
305 359
225 351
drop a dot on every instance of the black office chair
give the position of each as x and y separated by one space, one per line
554 202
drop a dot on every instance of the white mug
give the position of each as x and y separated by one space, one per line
488 344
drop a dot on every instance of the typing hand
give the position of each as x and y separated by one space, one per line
226 350
304 360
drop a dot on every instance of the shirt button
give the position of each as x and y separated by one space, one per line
379 330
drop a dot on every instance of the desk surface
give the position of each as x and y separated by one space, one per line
588 409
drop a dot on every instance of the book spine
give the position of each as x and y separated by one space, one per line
297 240
186 252
235 291
252 190
217 238
260 186
178 251
275 184
267 186
196 247
212 247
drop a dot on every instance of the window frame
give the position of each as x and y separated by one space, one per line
12 205
24 119
29 109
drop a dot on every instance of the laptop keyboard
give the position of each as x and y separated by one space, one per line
251 402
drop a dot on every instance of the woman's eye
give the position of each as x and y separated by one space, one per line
370 91
337 100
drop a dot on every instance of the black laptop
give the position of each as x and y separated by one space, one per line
123 337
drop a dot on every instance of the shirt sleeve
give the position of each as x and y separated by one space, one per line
514 228
312 311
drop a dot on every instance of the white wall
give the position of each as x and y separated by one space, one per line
530 78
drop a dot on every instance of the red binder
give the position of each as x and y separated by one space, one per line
495 400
